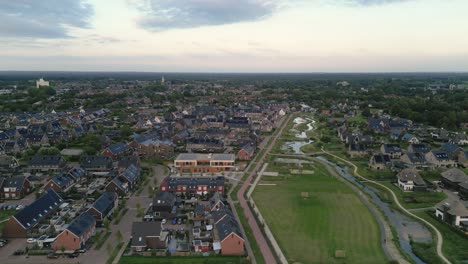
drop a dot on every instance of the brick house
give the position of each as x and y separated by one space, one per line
393 150
193 185
15 187
203 163
46 163
148 235
74 237
98 165
117 150
227 232
103 207
60 183
246 152
356 150
20 224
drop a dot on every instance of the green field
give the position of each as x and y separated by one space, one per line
183 260
332 218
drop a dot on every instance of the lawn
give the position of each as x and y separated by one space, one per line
332 218
4 215
183 260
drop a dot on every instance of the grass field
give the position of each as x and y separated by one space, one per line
4 215
183 260
332 218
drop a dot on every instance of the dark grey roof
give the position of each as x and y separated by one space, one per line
215 199
97 161
77 173
192 183
62 180
416 157
420 148
46 160
164 199
131 173
35 212
440 155
227 225
392 148
105 202
382 158
15 182
118 148
455 175
141 230
81 224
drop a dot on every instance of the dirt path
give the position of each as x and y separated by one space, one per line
259 237
440 238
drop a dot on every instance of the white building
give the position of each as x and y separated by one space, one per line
453 212
42 83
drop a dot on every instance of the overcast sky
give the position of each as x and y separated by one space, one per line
234 35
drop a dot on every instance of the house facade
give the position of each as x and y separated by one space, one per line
204 163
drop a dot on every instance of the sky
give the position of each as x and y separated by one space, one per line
234 35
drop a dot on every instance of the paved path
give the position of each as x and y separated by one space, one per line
390 250
259 237
440 238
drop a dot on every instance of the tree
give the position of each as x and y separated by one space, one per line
107 224
119 236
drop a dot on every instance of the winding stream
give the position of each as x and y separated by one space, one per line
296 146
406 227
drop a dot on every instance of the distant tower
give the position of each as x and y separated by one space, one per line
162 80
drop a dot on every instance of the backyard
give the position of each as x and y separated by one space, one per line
183 260
311 229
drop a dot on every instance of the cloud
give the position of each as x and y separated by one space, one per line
369 2
160 15
42 19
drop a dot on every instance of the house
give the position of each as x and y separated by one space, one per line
8 164
148 235
451 178
203 163
130 176
19 225
205 144
60 183
117 186
97 165
193 185
380 162
393 150
200 246
15 187
103 207
419 148
356 150
463 158
410 138
410 180
164 204
440 159
414 160
117 150
153 148
246 152
216 202
74 237
78 174
460 139
46 163
452 150
227 232
454 212
126 162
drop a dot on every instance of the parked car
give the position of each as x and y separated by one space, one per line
174 220
31 240
18 252
179 221
52 256
164 221
73 255
81 250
